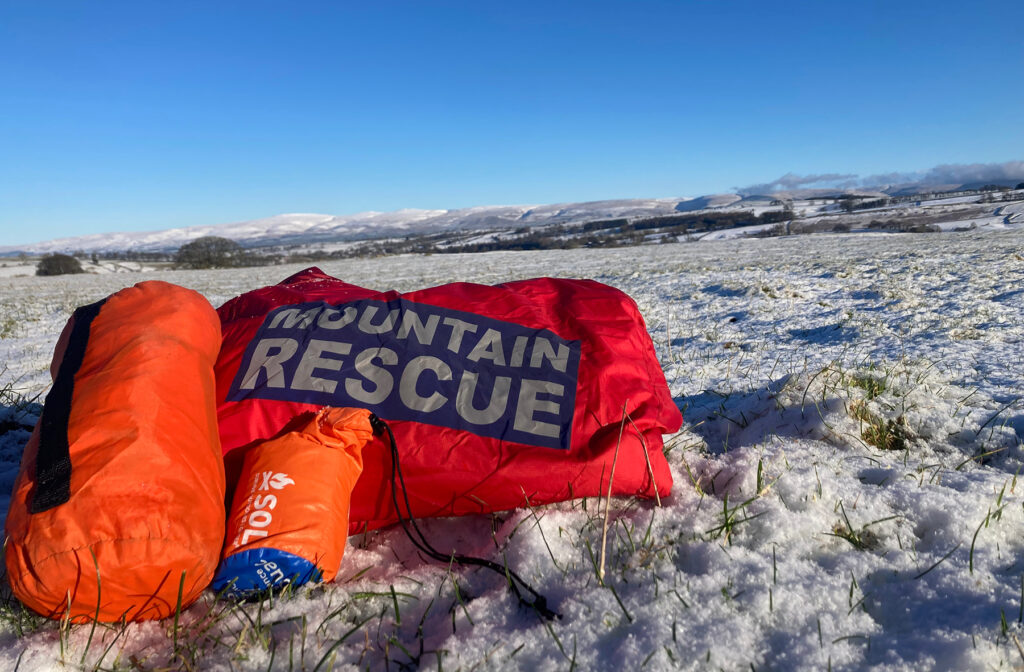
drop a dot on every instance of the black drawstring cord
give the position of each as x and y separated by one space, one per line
539 604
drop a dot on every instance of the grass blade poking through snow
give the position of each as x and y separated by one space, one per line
608 500
939 562
355 628
99 589
177 612
647 456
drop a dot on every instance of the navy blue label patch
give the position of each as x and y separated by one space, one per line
413 361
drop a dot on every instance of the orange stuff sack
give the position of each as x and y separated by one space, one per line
118 508
289 519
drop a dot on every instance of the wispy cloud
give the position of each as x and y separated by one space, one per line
883 179
977 172
953 173
793 181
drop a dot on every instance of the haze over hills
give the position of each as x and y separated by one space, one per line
301 228
310 228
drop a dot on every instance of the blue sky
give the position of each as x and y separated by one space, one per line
143 115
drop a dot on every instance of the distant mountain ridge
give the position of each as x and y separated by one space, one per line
302 228
313 228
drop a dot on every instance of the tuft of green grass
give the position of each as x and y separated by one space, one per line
8 325
884 434
872 385
730 519
862 539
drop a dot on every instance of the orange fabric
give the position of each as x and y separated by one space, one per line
147 479
294 491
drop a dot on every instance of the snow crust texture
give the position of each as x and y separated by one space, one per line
847 481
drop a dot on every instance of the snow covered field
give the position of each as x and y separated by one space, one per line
846 483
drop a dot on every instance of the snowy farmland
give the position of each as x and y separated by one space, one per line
846 484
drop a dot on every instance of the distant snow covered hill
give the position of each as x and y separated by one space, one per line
314 230
294 229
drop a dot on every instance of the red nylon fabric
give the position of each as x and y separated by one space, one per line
454 471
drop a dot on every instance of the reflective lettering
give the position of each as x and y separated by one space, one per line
495 407
312 361
367 326
416 362
293 318
529 405
488 347
519 351
381 378
542 349
424 332
268 356
410 377
332 318
459 328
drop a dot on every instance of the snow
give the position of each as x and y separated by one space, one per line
312 231
711 201
10 269
13 268
846 484
299 228
994 222
737 232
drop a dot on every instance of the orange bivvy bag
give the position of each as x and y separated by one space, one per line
289 519
118 509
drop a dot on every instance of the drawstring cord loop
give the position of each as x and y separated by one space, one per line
408 523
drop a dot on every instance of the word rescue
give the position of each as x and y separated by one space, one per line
413 361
